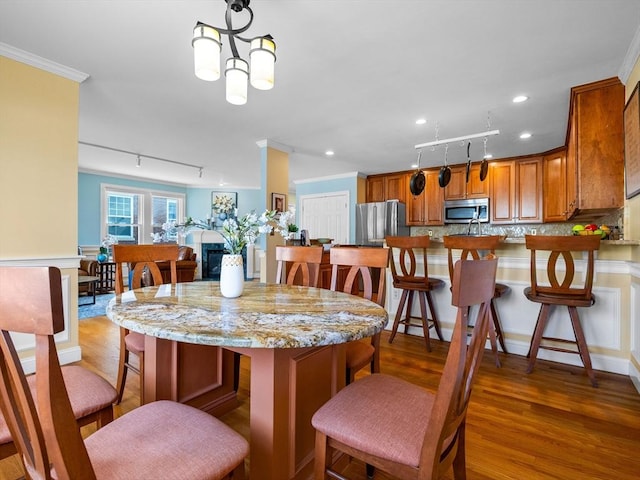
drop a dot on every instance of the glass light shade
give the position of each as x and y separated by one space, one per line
206 52
263 58
237 73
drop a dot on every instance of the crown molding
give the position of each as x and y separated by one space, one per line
42 63
630 59
330 177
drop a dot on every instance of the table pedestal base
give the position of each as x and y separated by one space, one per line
198 375
287 387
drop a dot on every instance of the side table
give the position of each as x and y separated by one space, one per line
107 277
91 281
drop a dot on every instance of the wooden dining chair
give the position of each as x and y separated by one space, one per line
411 275
91 396
162 439
424 438
473 248
560 286
140 260
298 265
361 270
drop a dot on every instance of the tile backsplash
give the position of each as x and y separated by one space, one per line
518 230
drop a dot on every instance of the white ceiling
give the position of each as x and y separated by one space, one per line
351 76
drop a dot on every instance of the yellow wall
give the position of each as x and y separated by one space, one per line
277 182
39 174
38 162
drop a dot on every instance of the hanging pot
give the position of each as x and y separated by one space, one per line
484 169
468 161
417 181
445 172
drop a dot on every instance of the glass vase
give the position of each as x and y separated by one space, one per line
231 276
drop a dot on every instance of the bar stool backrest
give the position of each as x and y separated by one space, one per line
404 265
474 247
560 278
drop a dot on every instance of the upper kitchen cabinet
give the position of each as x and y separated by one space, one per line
375 188
458 187
387 187
595 149
515 188
555 205
426 208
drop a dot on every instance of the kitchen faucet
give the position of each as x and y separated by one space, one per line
475 219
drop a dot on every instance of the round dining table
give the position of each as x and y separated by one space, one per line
294 335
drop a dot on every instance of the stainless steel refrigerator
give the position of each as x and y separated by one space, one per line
374 221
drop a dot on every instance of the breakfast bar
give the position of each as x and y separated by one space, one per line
294 335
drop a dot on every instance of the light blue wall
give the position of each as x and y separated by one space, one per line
347 183
197 200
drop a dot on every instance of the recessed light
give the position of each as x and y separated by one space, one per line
488 156
421 121
520 99
329 153
525 135
414 165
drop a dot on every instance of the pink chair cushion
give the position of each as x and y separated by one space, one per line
165 440
134 342
371 415
359 352
88 393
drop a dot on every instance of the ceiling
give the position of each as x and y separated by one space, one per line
352 76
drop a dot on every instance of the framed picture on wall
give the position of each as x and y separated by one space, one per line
278 202
223 206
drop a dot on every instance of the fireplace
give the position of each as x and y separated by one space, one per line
209 245
212 259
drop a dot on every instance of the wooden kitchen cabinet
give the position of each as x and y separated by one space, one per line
375 188
395 186
426 208
555 207
458 188
515 188
595 149
387 187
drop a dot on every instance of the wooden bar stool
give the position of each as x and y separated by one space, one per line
554 291
404 269
475 247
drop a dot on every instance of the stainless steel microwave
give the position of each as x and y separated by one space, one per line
463 211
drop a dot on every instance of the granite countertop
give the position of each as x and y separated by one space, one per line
266 315
520 240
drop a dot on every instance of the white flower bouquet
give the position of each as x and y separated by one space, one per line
286 224
245 230
223 204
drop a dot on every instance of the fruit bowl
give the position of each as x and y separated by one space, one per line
323 241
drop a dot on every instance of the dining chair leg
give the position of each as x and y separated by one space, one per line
543 316
122 372
321 458
497 325
583 350
396 322
141 370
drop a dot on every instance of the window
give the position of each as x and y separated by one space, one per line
133 215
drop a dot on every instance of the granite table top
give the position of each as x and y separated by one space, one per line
265 316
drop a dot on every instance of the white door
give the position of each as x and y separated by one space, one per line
326 215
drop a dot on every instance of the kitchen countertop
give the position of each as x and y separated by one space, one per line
520 240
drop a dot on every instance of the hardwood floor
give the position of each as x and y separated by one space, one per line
548 425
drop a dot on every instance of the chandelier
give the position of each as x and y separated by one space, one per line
262 54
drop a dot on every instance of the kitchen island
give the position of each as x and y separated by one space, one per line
611 326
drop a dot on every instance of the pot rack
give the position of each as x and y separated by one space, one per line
457 139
